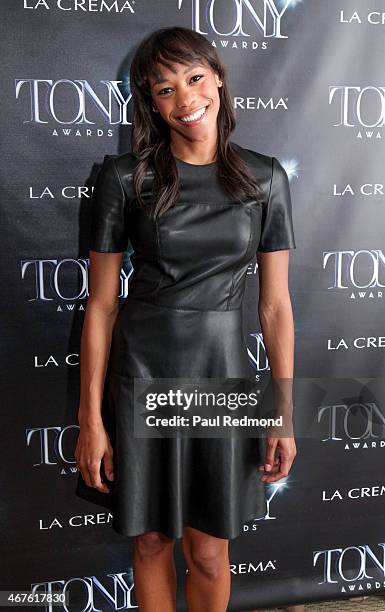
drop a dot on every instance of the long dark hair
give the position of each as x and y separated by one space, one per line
150 137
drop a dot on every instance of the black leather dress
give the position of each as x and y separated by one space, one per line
183 318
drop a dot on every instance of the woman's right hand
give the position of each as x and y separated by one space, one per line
93 447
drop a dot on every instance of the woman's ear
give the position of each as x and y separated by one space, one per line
219 82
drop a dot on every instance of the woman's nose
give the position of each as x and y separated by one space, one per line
185 101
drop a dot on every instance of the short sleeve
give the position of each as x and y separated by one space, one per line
109 219
277 231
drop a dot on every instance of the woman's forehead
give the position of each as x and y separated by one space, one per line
160 72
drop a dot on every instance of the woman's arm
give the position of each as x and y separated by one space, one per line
275 312
101 312
276 318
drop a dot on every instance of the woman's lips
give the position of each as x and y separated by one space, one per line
196 121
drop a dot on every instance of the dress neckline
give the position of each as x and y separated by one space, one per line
184 163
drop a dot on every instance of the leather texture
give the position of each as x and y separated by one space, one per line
183 318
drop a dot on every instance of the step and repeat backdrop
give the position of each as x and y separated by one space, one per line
308 87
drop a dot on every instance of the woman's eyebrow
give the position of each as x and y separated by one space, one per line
161 79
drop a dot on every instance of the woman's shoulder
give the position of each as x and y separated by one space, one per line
266 167
256 159
125 163
118 168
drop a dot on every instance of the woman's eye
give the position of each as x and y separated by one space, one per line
199 76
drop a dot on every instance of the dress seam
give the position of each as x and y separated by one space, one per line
158 258
271 182
203 310
241 262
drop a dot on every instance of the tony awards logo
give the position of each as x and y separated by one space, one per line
360 108
85 105
263 17
354 568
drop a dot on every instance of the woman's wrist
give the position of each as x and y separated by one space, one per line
90 418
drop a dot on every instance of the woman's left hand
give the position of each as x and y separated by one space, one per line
278 467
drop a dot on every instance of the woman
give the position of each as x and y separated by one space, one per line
196 208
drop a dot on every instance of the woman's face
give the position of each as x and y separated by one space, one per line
187 99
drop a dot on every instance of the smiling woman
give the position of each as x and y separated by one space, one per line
188 111
196 207
175 73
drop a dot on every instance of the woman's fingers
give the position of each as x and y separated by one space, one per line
96 478
271 446
92 478
89 461
279 467
108 464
